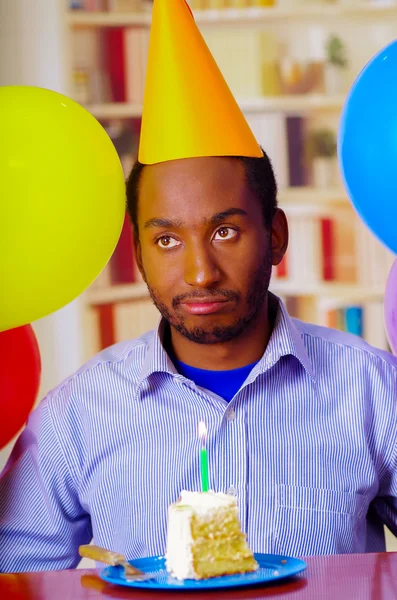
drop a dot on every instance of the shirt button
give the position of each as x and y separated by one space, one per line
232 491
230 415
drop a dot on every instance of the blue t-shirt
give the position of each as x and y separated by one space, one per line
223 383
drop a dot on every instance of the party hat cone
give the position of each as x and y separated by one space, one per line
188 111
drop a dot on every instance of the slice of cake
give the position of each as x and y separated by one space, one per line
205 538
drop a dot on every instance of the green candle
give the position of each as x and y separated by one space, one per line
203 457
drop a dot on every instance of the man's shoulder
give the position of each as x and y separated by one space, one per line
343 344
94 396
123 352
122 360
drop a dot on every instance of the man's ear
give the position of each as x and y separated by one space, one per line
279 235
138 257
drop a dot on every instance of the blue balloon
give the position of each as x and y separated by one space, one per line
367 145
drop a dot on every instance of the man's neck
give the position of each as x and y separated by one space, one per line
239 352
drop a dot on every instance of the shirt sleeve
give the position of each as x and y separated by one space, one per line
385 503
42 522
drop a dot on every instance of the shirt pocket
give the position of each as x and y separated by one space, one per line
311 521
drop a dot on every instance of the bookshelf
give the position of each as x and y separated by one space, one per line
360 265
250 16
294 104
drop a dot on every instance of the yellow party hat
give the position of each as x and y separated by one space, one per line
189 111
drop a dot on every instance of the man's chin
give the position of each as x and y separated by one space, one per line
209 335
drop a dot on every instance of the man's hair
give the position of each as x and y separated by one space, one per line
259 177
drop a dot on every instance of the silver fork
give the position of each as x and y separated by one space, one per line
114 559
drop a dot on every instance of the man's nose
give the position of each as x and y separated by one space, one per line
201 268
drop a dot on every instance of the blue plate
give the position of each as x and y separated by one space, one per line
271 568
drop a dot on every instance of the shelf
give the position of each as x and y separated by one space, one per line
325 291
250 16
108 19
117 293
115 110
293 103
288 104
311 195
309 201
340 291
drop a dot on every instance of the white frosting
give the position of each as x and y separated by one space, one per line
203 502
179 560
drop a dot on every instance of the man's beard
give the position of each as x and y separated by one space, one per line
220 333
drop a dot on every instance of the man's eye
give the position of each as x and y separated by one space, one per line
225 233
166 242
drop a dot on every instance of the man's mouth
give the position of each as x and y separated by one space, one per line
204 306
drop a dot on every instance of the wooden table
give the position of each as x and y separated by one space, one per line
354 577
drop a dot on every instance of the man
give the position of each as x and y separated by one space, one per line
301 419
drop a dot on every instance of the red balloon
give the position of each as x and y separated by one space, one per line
20 371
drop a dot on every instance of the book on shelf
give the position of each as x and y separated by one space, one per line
364 320
374 260
105 325
343 235
327 237
295 132
300 307
95 5
122 265
114 62
121 268
310 257
136 51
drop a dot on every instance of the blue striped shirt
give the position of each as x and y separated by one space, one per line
307 444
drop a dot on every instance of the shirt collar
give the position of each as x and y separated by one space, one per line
157 359
286 339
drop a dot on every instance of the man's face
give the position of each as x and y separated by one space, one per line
204 250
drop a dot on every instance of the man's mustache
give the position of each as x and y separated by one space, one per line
197 295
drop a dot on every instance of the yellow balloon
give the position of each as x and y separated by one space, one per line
62 202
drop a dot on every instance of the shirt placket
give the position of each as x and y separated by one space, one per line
232 456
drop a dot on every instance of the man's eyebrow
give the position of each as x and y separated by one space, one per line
158 222
218 218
